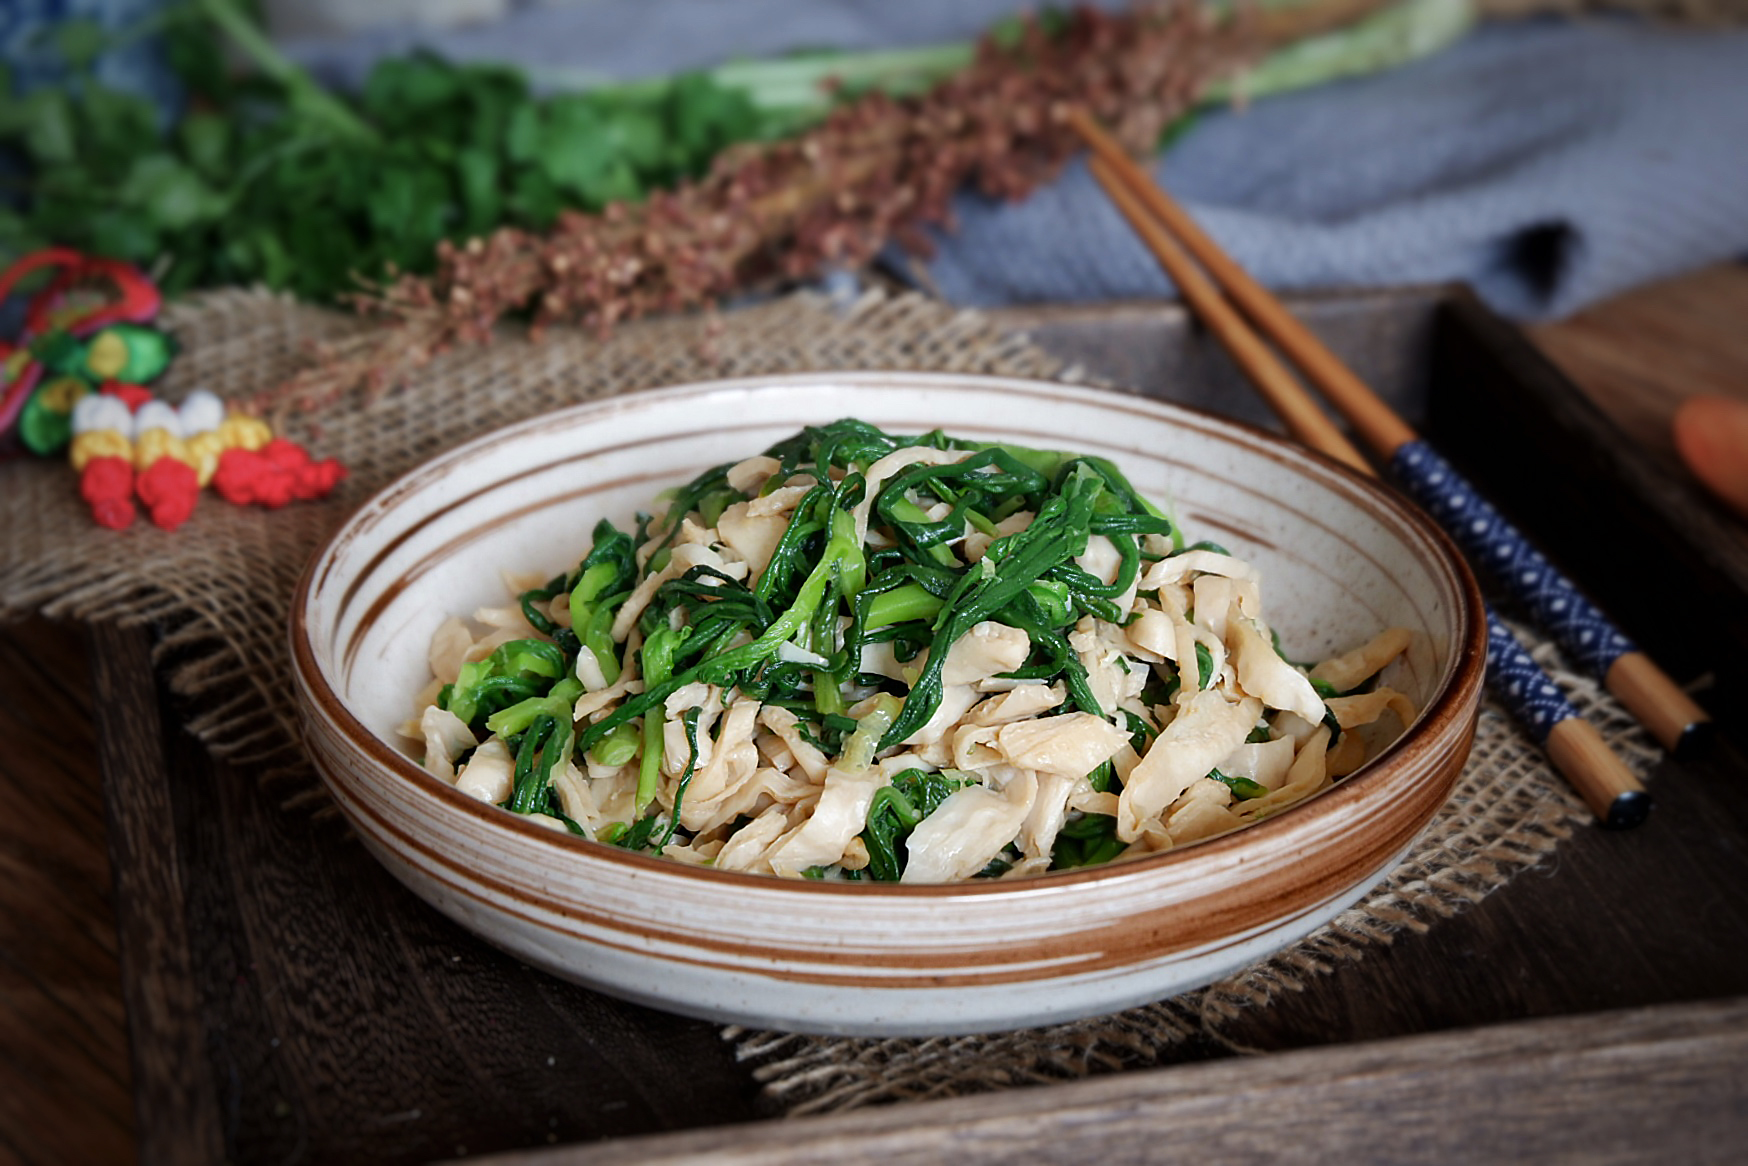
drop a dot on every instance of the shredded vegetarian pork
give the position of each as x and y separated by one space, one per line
867 657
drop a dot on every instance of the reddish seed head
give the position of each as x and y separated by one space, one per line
875 169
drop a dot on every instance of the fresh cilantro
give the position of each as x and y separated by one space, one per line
265 177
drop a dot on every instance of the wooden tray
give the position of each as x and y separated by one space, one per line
289 1002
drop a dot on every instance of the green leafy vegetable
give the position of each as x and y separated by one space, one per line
1086 840
897 810
544 747
272 179
512 673
856 557
642 833
603 580
1243 788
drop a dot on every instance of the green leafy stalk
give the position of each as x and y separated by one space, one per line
306 96
544 747
1057 534
641 834
512 673
787 94
1086 840
617 747
909 601
689 721
658 668
860 746
1243 788
603 580
515 719
896 811
1393 36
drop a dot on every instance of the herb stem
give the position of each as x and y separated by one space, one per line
306 95
911 601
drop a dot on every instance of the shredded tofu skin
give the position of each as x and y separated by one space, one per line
864 657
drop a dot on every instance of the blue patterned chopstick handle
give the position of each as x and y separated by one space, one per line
1492 542
1531 695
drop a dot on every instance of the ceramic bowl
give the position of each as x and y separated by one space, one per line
1341 556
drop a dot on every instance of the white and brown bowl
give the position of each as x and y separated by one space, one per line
1342 558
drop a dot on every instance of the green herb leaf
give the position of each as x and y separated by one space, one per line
575 149
403 92
191 48
206 140
535 198
896 810
1243 788
172 195
48 133
524 130
125 235
80 41
636 135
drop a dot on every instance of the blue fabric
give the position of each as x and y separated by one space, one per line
33 61
626 39
1549 164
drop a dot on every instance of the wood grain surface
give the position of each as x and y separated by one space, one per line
1597 499
173 1091
1653 917
65 1091
1640 355
1631 1089
342 1019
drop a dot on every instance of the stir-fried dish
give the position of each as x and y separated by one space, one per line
868 657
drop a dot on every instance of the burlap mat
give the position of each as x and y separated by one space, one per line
219 591
1509 811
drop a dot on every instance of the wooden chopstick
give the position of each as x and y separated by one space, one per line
1573 744
1376 423
1643 688
1297 411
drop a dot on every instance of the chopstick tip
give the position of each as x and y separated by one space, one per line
1675 719
1629 809
1597 774
1695 740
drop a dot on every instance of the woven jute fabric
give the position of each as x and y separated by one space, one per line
218 591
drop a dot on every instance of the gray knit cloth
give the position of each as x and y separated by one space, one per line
1549 163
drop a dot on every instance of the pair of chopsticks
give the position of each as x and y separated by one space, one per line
1241 313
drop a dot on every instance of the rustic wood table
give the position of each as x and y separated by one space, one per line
285 1001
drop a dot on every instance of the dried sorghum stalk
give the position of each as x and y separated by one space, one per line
876 170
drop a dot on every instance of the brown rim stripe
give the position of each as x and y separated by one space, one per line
1116 949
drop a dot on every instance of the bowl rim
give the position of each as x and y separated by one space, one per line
1458 689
